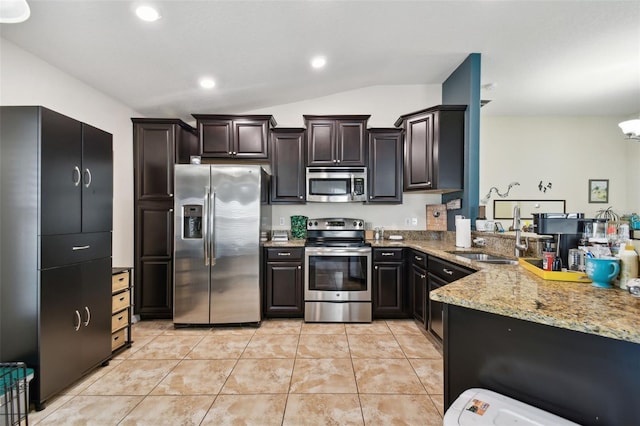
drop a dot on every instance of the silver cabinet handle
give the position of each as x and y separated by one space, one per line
429 183
88 174
447 271
375 267
234 152
77 326
387 254
418 258
299 267
337 161
76 172
76 248
230 152
422 276
86 323
301 197
284 253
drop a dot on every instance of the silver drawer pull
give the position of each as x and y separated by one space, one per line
77 326
86 323
447 271
418 258
284 253
387 254
75 248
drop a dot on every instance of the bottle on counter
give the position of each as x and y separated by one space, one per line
628 264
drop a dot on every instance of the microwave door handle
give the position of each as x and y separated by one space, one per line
205 232
353 187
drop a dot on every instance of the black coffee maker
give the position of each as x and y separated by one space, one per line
567 227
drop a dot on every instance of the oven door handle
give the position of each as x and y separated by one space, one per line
337 251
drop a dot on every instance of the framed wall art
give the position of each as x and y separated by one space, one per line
598 190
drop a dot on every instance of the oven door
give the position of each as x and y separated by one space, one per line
337 274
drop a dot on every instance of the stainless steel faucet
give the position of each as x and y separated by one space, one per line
516 226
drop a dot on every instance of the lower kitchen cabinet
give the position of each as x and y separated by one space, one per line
440 274
120 309
389 299
418 285
284 295
75 324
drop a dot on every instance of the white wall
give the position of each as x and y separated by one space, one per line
27 80
566 151
385 104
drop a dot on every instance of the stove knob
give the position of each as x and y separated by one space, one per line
355 224
360 224
315 223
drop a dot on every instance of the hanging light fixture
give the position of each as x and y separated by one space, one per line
631 128
14 11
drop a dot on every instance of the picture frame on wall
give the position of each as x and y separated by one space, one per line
599 190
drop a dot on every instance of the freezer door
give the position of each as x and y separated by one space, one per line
235 275
192 265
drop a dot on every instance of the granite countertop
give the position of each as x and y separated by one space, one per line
513 291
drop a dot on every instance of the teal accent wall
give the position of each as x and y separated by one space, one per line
462 87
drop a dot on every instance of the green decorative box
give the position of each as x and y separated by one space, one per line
298 227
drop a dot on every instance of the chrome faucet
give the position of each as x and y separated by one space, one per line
516 226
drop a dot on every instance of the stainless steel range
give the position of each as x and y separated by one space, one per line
338 271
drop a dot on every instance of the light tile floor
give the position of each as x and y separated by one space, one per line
286 372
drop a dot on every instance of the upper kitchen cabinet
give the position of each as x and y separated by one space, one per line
336 140
77 182
385 166
434 148
287 165
158 145
234 136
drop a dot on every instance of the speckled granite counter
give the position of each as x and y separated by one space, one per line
512 291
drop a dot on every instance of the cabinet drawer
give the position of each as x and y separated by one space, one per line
418 258
119 281
285 253
118 339
387 254
446 270
119 320
120 301
60 250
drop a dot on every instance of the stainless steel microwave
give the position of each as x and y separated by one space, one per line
337 184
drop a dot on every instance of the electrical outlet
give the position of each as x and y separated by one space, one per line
282 221
414 221
407 221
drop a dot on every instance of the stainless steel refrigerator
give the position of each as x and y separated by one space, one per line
220 211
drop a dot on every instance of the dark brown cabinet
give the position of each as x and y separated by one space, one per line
287 165
418 285
157 145
336 140
440 274
284 282
434 148
389 298
234 136
385 166
56 190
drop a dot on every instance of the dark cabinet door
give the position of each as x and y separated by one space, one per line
284 292
61 174
418 172
321 143
154 157
234 136
418 279
287 166
435 322
216 138
154 260
250 138
97 180
95 312
350 143
388 290
385 166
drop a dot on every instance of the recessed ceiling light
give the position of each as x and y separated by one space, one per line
207 83
14 11
147 13
318 62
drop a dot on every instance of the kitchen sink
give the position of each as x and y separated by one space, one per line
484 257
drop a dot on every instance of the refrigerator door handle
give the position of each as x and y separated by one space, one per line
212 233
205 238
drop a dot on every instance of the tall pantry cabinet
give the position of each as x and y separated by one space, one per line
157 145
56 192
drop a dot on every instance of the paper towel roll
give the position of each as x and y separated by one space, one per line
463 233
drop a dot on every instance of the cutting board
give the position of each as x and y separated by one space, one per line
436 217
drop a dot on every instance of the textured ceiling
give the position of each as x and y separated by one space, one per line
545 58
